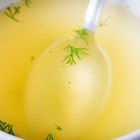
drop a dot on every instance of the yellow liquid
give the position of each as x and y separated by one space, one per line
69 95
45 23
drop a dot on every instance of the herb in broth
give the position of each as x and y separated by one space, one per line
58 127
50 136
12 11
27 2
81 34
104 22
6 127
72 52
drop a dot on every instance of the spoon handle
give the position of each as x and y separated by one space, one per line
93 14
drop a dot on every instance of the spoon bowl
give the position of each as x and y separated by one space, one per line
67 93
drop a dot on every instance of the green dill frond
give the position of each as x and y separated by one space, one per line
104 22
49 137
7 128
58 127
73 54
12 12
27 2
81 34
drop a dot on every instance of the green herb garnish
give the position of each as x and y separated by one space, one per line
5 127
49 137
104 22
72 52
12 12
58 127
27 2
81 34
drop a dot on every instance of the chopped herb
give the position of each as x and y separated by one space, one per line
58 127
5 127
27 2
32 58
12 12
49 137
81 34
73 53
69 82
104 22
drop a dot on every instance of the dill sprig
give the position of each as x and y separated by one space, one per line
12 12
5 127
58 127
81 34
27 2
74 53
49 137
104 22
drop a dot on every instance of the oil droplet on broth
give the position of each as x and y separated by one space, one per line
71 96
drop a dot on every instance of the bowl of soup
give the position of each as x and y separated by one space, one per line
25 37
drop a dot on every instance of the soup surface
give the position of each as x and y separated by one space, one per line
44 23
